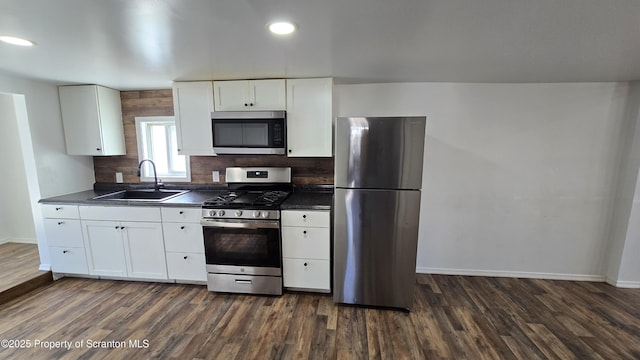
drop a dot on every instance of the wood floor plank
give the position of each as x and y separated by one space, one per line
453 318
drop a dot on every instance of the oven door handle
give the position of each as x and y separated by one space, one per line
242 225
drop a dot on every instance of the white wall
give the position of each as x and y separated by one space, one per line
50 171
15 207
518 178
58 173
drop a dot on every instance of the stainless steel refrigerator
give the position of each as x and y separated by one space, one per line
378 177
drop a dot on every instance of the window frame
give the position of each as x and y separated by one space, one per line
142 134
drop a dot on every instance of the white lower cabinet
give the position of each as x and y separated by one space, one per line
184 244
69 260
186 266
306 244
64 239
133 249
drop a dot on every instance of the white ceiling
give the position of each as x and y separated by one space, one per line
143 44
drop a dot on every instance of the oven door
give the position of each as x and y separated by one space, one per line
251 247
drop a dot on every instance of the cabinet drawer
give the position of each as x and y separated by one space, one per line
306 274
183 237
181 214
186 266
63 232
60 211
71 260
120 213
305 242
313 218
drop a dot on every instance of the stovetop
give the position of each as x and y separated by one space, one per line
242 199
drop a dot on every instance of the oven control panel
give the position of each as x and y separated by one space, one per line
240 214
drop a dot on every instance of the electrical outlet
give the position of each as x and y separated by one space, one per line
119 177
216 176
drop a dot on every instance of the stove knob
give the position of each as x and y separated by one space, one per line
265 214
256 214
238 212
212 213
221 213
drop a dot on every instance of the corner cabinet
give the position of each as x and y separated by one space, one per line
192 107
92 118
242 95
310 117
306 250
125 242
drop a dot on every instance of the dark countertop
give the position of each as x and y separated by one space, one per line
193 198
309 197
308 201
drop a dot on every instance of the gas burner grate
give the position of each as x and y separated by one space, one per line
271 197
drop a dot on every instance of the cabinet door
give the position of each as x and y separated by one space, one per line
306 242
313 218
306 274
79 106
309 117
92 118
60 211
63 232
144 249
183 237
186 266
68 260
268 94
192 106
104 246
231 95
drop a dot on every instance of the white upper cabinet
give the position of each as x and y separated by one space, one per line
250 95
192 107
92 118
309 117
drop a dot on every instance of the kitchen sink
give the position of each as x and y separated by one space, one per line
141 195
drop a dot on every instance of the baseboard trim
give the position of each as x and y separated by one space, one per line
45 267
512 274
624 284
3 241
23 240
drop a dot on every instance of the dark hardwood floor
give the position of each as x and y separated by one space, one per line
454 317
19 272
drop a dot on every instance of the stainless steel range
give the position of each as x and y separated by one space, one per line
243 245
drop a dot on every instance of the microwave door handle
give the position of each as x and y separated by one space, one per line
242 225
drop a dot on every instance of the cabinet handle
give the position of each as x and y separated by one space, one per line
117 227
121 227
65 251
98 149
304 216
305 232
290 151
60 222
179 150
245 104
305 264
181 212
182 227
185 257
58 208
250 104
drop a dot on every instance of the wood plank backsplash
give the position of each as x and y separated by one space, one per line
160 103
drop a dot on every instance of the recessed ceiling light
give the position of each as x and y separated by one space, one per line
282 28
16 41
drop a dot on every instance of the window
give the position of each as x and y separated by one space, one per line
157 141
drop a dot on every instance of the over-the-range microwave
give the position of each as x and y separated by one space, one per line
249 132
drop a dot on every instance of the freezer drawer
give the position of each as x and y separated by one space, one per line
375 244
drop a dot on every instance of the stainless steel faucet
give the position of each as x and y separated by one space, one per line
157 183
